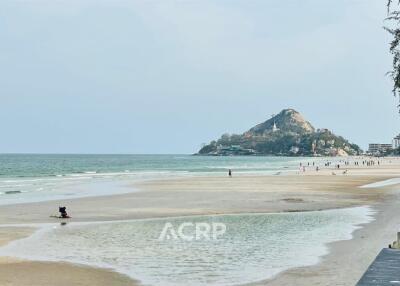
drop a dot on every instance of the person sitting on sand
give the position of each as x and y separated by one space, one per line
63 212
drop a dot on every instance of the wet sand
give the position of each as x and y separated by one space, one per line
348 260
15 272
221 195
209 195
23 273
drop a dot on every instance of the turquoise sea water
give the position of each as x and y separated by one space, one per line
21 165
28 178
255 246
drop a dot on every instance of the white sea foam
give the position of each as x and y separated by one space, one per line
75 185
255 246
53 178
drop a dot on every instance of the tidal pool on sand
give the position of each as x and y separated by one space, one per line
254 247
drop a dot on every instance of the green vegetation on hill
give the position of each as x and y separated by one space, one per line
286 134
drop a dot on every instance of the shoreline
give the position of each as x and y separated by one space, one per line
301 193
94 184
50 272
88 266
364 245
344 198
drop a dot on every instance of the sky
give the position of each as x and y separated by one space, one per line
164 76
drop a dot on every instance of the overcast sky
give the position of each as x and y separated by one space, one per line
165 76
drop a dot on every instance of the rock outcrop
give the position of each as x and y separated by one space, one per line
286 134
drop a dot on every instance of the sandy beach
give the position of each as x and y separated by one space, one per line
221 195
13 271
199 143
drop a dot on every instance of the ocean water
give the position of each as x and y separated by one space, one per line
31 178
255 246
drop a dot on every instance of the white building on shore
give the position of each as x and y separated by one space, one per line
379 148
396 142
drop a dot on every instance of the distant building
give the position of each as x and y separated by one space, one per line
274 128
378 148
233 150
396 142
322 130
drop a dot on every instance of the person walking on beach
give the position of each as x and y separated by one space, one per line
230 173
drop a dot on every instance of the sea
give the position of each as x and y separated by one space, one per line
28 178
254 247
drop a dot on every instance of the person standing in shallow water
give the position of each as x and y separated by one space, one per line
230 173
